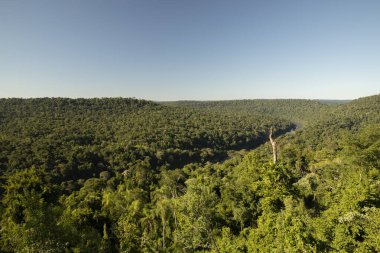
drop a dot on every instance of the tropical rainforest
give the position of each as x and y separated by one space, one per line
130 175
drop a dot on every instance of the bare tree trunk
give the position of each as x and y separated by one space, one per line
274 145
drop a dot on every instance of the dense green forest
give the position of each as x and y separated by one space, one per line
129 175
296 110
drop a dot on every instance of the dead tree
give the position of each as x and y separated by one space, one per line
274 145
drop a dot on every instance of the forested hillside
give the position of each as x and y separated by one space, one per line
300 111
128 175
74 139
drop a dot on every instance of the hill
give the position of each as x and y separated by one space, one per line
127 175
299 111
77 139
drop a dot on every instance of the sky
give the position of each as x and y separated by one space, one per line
190 49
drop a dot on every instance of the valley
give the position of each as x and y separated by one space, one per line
129 175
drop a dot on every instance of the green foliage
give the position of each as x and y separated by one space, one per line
29 220
297 110
128 175
196 215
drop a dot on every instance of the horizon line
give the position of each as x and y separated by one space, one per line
190 100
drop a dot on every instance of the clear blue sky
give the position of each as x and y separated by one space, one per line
190 49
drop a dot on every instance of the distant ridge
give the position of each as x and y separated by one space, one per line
333 101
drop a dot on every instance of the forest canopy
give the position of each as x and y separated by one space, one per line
130 175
